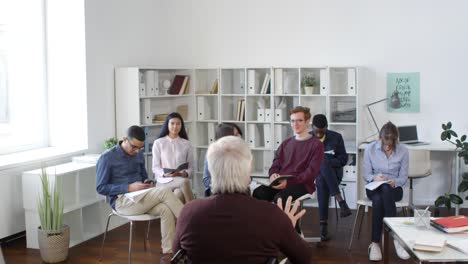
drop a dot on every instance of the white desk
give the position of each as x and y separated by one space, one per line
403 229
443 147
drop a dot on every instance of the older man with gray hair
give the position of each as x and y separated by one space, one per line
230 226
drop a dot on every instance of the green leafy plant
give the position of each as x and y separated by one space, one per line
110 142
308 80
462 147
50 204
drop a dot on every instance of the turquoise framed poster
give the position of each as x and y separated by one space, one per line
403 92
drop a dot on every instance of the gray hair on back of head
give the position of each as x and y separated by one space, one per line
229 161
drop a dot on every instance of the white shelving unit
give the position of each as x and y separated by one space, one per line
265 123
85 211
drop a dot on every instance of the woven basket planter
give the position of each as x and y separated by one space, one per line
54 244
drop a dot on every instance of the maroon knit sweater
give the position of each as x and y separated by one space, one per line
300 158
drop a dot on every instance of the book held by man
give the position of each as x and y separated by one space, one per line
451 224
277 181
136 196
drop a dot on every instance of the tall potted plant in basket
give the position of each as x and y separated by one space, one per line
53 235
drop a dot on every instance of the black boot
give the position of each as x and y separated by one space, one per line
324 232
345 211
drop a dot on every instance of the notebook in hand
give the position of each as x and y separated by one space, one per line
182 166
277 181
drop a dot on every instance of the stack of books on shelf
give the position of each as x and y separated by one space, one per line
451 224
179 85
240 111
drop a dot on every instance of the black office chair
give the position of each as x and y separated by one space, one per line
180 257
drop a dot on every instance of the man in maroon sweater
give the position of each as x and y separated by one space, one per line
232 227
299 156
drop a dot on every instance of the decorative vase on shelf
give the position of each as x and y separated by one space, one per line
309 89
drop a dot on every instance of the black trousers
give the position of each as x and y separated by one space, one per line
327 185
383 205
270 194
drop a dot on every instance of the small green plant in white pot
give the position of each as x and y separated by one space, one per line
110 142
53 235
308 82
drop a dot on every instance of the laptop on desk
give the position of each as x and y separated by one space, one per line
409 136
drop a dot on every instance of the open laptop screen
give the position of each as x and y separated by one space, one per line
408 134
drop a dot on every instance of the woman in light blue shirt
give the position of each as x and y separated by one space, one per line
385 160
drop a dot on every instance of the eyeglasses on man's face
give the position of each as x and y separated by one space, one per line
297 121
134 147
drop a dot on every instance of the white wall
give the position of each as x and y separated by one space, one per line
429 37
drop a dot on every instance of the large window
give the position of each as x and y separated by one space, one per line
23 93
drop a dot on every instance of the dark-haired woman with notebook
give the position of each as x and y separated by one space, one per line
171 150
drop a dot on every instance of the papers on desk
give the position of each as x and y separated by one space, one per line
375 184
136 196
430 243
460 245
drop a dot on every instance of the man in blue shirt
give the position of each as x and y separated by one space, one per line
120 170
331 171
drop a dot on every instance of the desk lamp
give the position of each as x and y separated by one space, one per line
395 103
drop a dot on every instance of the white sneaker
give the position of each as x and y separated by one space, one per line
374 252
401 252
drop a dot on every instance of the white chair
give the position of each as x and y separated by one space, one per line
131 218
364 204
301 201
419 167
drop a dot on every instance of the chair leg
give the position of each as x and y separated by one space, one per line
354 227
336 211
147 235
130 243
360 224
105 234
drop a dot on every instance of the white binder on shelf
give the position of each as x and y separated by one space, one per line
268 114
211 133
155 91
149 81
279 81
252 76
349 173
351 82
267 135
279 134
147 118
253 135
280 114
142 84
261 114
203 108
324 82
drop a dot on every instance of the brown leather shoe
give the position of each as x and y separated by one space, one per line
166 258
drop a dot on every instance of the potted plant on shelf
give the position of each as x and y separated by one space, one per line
308 82
110 142
461 145
53 235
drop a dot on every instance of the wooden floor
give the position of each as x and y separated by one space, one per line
116 247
